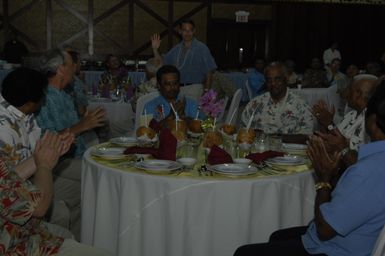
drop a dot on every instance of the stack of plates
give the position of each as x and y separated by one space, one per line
124 141
286 160
109 153
234 170
158 166
294 148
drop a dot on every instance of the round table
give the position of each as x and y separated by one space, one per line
135 213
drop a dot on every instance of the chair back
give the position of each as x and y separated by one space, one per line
249 91
234 105
220 117
193 91
140 103
379 247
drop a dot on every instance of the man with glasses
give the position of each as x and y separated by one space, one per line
279 110
192 57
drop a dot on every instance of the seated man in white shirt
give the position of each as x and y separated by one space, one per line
278 110
350 132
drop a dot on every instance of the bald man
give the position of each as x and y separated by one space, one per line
350 132
278 110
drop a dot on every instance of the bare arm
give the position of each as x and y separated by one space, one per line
326 168
155 44
46 155
89 121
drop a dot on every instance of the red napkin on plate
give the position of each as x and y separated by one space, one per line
155 125
260 157
167 145
218 156
166 150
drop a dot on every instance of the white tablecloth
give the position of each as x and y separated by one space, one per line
120 116
138 214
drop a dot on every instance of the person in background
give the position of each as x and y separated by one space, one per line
382 63
256 79
223 85
292 76
278 110
373 68
349 217
24 204
331 53
150 85
351 71
315 76
115 76
191 57
14 50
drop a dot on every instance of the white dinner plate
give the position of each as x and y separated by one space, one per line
124 141
109 153
159 165
286 160
294 147
233 169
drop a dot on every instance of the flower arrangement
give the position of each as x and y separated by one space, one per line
211 105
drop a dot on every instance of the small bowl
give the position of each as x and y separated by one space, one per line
243 161
187 161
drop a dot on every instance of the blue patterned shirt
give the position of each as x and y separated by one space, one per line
58 113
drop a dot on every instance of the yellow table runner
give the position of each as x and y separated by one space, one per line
128 165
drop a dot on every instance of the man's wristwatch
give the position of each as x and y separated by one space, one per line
331 127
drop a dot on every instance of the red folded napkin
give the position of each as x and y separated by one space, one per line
260 157
218 156
167 145
166 150
140 150
155 125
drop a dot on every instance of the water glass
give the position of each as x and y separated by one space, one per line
275 143
262 143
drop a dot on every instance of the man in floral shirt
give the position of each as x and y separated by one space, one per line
23 204
278 110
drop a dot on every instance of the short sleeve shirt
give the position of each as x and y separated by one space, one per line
357 207
18 133
194 64
159 108
58 113
20 232
289 116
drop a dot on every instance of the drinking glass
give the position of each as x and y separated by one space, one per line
262 143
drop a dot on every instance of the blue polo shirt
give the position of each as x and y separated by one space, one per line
58 113
194 65
357 208
154 107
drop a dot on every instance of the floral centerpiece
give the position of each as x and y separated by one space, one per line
212 106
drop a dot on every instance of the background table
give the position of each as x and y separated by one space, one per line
133 213
120 116
93 77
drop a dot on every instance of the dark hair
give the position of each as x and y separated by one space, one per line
74 55
166 69
376 105
24 85
187 21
